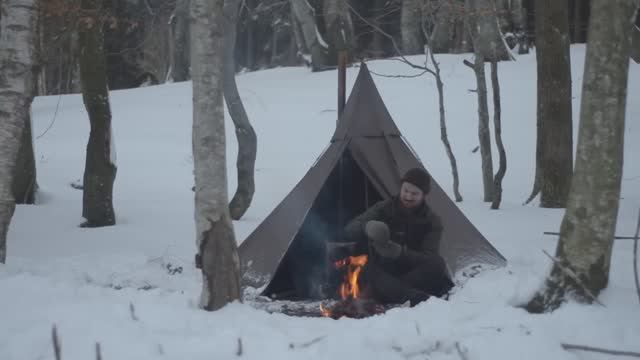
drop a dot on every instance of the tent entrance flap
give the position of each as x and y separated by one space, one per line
305 272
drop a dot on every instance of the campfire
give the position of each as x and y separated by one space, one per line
352 304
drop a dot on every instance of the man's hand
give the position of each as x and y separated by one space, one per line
380 239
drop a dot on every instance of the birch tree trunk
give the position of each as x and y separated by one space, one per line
215 239
100 168
18 30
247 140
411 27
304 14
588 226
554 152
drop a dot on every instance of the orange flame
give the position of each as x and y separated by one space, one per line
350 288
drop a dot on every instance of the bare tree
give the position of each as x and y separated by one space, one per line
497 126
482 22
247 140
554 146
18 29
484 133
100 168
316 46
583 254
215 238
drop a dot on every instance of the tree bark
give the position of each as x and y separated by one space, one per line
24 180
635 42
411 27
485 32
18 30
588 226
247 140
339 27
100 168
497 125
555 125
484 135
317 47
181 45
441 39
215 239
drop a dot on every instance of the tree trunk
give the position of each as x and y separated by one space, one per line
588 226
484 135
485 32
247 141
18 30
555 126
497 124
441 39
410 20
580 20
24 180
215 237
100 168
339 27
635 42
317 47
180 30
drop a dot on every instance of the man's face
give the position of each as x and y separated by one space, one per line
411 196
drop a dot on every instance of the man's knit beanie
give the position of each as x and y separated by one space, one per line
418 177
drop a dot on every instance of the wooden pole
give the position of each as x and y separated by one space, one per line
342 80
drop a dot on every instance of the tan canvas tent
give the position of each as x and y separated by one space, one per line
363 163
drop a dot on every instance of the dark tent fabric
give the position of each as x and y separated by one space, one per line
363 163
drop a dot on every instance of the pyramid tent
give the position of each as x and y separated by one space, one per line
362 164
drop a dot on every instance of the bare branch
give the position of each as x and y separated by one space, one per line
306 344
575 278
599 350
615 237
400 76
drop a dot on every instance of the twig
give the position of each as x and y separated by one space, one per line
306 344
400 76
468 63
56 342
53 121
599 350
575 278
463 354
615 237
635 257
98 352
418 329
239 352
132 311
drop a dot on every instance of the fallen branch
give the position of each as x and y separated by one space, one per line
615 237
575 278
306 344
132 311
635 256
56 342
599 350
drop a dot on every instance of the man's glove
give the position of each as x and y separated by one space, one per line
380 239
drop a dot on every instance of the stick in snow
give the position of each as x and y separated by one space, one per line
306 344
98 352
463 354
239 352
56 342
599 350
132 311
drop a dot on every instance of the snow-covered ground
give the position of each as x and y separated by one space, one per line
133 287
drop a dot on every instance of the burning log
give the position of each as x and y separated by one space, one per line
352 305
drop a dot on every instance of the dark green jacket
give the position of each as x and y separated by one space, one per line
419 231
